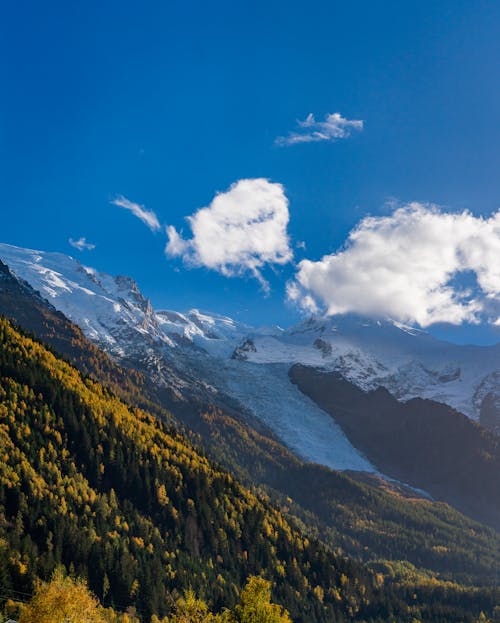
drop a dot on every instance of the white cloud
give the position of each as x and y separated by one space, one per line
413 265
81 244
241 230
334 127
148 217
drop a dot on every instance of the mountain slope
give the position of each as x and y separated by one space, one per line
26 308
118 497
373 353
350 515
113 492
182 353
420 441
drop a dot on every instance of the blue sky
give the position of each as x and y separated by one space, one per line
168 103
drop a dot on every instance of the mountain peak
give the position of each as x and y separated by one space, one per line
369 352
341 323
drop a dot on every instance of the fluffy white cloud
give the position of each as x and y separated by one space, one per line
148 217
331 129
241 230
415 265
81 244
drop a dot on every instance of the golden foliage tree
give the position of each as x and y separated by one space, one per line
62 600
190 609
255 604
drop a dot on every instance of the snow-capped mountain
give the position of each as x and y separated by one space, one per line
189 352
249 368
109 308
372 353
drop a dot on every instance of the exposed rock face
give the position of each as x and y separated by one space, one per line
324 347
490 412
241 353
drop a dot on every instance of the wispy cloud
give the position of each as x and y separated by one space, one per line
148 217
81 244
420 264
241 231
333 128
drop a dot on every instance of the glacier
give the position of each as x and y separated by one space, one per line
250 365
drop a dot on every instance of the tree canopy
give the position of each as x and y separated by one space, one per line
62 600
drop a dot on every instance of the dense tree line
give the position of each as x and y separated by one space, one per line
118 497
121 498
354 517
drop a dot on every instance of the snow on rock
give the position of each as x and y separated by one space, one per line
108 309
112 312
250 365
372 353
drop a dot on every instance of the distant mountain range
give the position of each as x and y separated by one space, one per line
286 383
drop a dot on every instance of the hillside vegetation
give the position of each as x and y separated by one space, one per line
120 498
355 518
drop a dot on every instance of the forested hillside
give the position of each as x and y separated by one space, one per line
118 497
26 308
365 521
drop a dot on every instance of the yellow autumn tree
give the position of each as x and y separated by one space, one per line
62 600
255 604
190 609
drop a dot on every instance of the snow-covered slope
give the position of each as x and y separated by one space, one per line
217 334
108 309
213 353
112 312
372 353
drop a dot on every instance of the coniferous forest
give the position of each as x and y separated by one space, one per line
118 497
